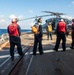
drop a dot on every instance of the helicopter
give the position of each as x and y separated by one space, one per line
54 21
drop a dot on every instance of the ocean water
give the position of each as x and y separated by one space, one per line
3 31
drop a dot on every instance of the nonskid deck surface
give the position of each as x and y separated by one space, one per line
50 63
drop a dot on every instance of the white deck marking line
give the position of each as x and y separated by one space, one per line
4 62
4 56
29 65
7 60
47 51
29 62
50 50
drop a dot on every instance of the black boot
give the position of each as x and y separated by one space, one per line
71 48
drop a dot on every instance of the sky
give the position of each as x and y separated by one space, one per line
23 9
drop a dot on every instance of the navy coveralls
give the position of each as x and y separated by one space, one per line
15 40
72 35
61 31
38 41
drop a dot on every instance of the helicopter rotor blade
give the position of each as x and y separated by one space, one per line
34 17
27 18
47 12
54 13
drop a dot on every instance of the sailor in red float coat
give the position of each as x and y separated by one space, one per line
62 26
14 32
61 30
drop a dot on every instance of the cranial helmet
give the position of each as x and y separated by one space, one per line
39 20
61 20
14 20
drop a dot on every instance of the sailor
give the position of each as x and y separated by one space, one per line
61 31
38 38
14 32
72 35
49 30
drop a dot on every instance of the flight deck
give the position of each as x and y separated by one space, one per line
49 63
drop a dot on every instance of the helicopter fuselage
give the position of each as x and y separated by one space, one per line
54 22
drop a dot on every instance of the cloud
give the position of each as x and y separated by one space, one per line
65 16
2 20
12 16
71 4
